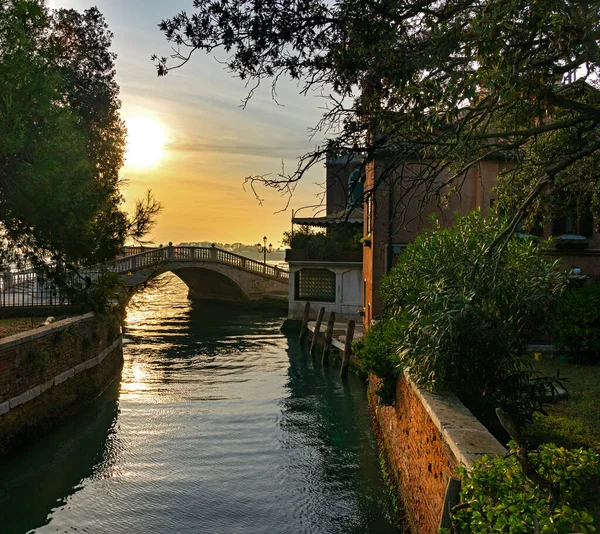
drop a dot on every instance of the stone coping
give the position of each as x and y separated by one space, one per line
42 331
468 439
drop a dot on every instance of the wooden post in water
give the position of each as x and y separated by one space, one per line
313 344
328 336
304 327
347 348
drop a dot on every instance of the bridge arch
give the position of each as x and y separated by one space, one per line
209 273
209 284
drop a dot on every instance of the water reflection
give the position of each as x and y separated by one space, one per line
43 475
224 426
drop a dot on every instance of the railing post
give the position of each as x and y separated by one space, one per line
170 251
213 252
347 348
328 336
134 261
8 281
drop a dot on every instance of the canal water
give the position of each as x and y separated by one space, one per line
219 424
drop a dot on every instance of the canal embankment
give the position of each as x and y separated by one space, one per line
423 438
47 372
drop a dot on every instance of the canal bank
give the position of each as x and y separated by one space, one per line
423 437
220 424
51 371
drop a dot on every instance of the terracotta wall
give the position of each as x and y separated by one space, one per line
425 437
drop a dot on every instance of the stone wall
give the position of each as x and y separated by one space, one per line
425 437
49 371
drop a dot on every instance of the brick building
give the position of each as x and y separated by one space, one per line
387 228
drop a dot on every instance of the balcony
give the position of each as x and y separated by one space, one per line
306 254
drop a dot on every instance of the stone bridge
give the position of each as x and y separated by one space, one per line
209 272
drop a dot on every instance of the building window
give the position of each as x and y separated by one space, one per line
394 251
573 222
315 284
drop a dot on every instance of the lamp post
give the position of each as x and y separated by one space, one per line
264 249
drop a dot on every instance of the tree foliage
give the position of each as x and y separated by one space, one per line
461 315
446 83
324 244
62 141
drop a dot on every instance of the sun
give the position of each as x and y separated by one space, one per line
146 140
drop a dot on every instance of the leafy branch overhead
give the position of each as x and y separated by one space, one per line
447 83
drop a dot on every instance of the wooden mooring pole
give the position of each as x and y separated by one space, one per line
328 336
315 339
347 348
304 327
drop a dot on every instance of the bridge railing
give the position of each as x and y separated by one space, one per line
31 288
156 256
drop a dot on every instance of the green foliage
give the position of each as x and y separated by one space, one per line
574 321
464 312
378 353
324 245
499 498
62 141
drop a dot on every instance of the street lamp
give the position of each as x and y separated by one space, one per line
264 249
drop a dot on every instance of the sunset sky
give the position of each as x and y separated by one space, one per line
191 142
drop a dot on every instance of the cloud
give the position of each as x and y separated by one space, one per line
292 149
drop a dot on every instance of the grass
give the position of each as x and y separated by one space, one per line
572 422
9 327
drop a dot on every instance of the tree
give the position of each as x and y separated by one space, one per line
446 83
62 141
459 317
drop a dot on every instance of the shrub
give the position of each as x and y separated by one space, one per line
464 314
497 497
575 321
378 351
321 245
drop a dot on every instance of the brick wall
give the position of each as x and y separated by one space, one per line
425 437
49 371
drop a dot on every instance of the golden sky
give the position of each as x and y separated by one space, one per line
192 143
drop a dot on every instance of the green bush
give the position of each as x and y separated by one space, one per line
378 353
464 314
321 245
498 497
575 321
